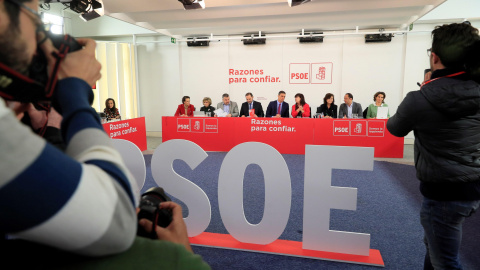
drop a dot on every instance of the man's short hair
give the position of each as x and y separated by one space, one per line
249 94
452 42
349 95
225 95
281 92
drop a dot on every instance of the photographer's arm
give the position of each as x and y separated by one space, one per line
403 121
81 201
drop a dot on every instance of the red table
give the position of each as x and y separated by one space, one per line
287 135
131 130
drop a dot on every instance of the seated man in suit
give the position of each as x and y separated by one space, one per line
350 108
228 106
278 108
251 105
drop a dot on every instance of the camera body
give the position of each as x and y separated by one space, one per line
149 209
38 86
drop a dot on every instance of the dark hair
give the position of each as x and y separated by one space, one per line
281 92
379 93
225 95
302 100
328 96
349 95
249 94
185 98
114 108
457 45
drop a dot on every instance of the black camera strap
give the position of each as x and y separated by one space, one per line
18 87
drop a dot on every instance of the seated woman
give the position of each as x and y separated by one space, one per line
185 109
328 108
111 111
379 99
300 109
207 106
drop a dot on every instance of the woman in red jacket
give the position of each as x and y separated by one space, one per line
185 109
300 109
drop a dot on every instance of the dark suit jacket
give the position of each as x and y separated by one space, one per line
272 109
356 108
256 105
332 112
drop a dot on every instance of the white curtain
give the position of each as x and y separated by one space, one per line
118 78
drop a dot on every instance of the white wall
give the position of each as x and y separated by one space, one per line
169 71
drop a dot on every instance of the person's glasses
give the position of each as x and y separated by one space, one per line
429 52
36 20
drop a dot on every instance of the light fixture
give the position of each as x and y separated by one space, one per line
193 42
293 3
88 9
192 4
310 38
375 38
254 39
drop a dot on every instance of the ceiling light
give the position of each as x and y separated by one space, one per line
311 38
88 9
192 4
293 3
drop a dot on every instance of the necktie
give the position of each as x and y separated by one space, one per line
250 106
279 107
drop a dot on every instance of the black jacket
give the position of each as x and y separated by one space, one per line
256 105
445 118
332 112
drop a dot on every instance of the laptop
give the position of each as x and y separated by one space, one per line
199 114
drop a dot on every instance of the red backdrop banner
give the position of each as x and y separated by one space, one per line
131 130
287 135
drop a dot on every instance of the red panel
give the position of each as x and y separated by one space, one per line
131 130
359 132
284 247
287 135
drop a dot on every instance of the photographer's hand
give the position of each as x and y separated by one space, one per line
81 64
176 232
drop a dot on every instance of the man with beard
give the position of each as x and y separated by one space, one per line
54 205
444 116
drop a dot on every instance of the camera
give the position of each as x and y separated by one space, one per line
37 87
149 209
38 68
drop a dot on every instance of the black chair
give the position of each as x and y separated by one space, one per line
365 113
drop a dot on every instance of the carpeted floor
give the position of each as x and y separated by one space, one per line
388 209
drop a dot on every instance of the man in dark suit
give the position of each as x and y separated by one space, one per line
251 105
278 108
350 108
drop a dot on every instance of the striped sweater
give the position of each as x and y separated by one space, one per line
81 200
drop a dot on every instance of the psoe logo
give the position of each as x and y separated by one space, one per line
341 128
183 125
359 128
211 125
197 125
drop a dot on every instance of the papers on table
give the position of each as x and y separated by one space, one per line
220 113
382 112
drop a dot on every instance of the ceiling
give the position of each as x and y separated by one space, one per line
238 17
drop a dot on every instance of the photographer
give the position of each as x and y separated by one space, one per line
444 116
54 205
